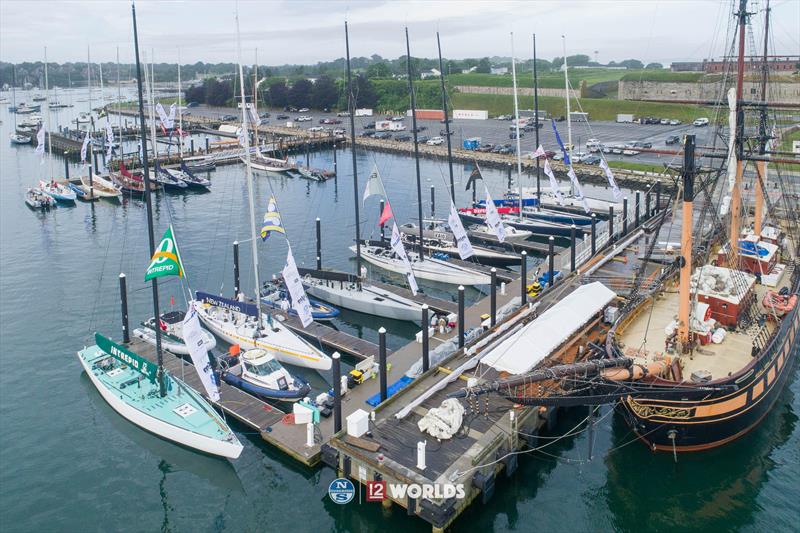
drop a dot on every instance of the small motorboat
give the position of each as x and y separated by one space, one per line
258 372
171 333
36 199
57 191
201 164
275 295
38 98
18 138
83 118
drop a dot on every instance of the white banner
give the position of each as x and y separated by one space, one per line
109 139
254 118
462 241
40 141
241 135
84 147
171 118
400 251
553 182
300 301
162 115
539 153
611 180
193 337
493 219
577 185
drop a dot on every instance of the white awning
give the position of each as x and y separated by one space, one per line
529 346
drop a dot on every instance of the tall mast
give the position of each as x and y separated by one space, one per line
14 92
102 103
89 78
255 102
416 145
686 245
151 89
761 166
249 173
516 123
47 116
351 102
149 204
446 122
736 200
180 115
566 95
119 103
536 124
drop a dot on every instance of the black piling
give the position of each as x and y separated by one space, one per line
236 286
337 393
572 236
382 363
636 212
610 223
493 307
206 144
509 176
191 146
383 235
94 154
523 271
658 196
335 163
66 165
624 216
426 324
123 296
648 213
551 257
460 316
433 202
319 244
308 155
594 233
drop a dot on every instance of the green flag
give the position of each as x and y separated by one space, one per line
167 259
133 360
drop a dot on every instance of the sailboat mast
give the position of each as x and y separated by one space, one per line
351 101
47 116
255 103
686 245
416 142
89 78
736 199
446 122
566 96
14 92
119 103
149 204
536 124
152 107
248 173
180 115
516 122
761 166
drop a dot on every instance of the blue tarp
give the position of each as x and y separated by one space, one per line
751 248
390 390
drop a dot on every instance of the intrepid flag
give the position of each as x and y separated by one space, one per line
374 186
386 214
611 180
561 144
167 259
40 141
300 301
539 153
553 182
84 146
400 251
462 241
578 190
272 220
193 337
493 220
474 176
109 138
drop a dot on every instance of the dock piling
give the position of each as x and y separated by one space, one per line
421 455
433 202
94 154
550 259
610 223
319 244
335 163
572 234
191 146
123 296
426 324
236 286
66 165
206 144
638 203
594 233
624 216
658 196
648 213
523 270
509 176
493 319
460 317
382 363
337 392
308 156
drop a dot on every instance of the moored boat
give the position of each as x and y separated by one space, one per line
59 192
258 372
37 199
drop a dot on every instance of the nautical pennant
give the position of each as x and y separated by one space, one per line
300 302
40 141
560 143
195 342
539 153
611 180
386 214
493 220
84 146
578 189
166 260
474 176
465 249
272 220
553 182
109 139
400 251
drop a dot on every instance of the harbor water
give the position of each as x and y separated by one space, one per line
69 463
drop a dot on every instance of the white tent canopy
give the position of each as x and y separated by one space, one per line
529 346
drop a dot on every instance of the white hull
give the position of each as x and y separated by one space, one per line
101 187
231 450
268 164
369 300
149 336
429 269
281 342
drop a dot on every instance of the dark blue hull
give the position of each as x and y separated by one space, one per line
267 393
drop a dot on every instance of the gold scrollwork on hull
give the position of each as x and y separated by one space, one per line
653 411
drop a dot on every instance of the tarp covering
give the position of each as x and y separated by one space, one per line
529 346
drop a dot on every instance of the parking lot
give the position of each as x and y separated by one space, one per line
498 131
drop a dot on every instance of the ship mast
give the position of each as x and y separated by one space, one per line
684 339
761 166
351 104
736 199
416 144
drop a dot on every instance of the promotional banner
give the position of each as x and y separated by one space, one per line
400 251
578 190
167 260
611 180
84 147
493 219
300 301
40 141
193 337
272 220
462 241
133 360
539 153
561 144
553 182
162 115
109 138
171 118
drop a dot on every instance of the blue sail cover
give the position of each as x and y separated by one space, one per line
227 303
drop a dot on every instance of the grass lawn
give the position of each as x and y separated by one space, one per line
632 165
598 108
553 80
786 142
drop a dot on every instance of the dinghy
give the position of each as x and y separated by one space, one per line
36 199
171 333
57 191
259 373
17 138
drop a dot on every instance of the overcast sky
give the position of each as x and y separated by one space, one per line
308 31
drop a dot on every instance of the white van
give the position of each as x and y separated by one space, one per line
701 122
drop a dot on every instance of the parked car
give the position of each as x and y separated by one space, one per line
303 118
435 141
229 117
335 121
367 134
383 135
558 157
315 128
303 110
630 152
487 147
672 139
339 131
324 121
665 122
403 138
591 160
513 135
397 118
421 128
282 117
674 122
265 114
506 150
423 139
343 114
700 122
444 133
370 126
192 104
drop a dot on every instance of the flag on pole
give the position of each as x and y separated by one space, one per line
162 115
474 176
577 185
539 153
109 138
195 342
300 302
462 241
272 220
241 134
560 143
40 141
84 147
553 182
167 259
374 186
386 214
493 220
254 118
171 118
400 251
611 180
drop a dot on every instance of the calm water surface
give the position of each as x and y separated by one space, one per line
68 462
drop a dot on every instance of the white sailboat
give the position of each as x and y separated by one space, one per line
430 268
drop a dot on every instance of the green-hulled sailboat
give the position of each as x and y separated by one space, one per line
144 393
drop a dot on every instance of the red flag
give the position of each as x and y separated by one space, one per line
172 300
386 215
